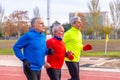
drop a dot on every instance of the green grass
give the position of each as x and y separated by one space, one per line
6 51
113 49
6 47
101 54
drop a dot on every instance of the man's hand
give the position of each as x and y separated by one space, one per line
47 65
50 51
87 47
69 55
26 64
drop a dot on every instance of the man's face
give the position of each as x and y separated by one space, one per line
60 32
39 25
78 23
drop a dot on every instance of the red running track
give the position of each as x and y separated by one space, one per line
16 73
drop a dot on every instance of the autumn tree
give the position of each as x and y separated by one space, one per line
94 16
9 28
107 29
90 31
115 15
16 23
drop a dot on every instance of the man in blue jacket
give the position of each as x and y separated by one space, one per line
31 49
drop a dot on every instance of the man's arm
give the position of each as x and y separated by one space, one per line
17 48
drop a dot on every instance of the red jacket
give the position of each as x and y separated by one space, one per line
57 59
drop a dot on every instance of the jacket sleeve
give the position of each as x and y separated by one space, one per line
47 46
19 45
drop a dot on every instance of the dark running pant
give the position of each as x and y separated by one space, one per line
54 74
32 75
73 68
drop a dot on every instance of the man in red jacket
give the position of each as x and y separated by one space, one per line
54 62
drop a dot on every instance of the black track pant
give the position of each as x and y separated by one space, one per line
54 74
32 75
73 68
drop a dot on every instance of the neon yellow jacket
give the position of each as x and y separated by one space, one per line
73 41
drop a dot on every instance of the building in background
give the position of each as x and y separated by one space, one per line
102 18
88 24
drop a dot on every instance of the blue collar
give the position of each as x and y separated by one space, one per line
57 38
33 30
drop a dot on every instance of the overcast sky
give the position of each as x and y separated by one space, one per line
59 9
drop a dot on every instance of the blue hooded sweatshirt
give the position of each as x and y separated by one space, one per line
32 46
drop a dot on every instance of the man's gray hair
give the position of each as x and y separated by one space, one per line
73 20
55 27
33 20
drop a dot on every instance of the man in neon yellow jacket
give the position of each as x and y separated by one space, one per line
73 42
